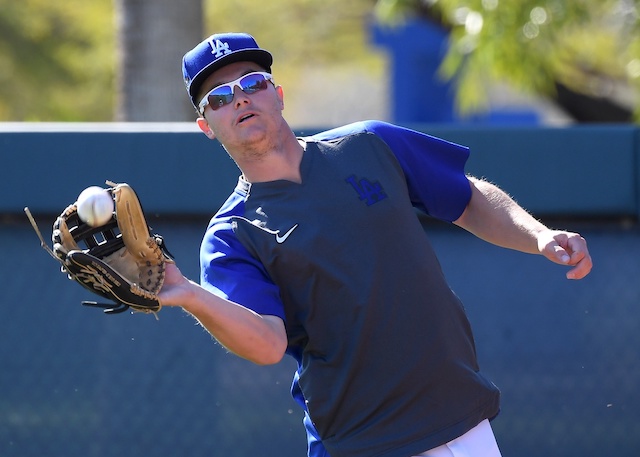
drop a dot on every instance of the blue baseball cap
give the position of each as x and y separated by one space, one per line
217 51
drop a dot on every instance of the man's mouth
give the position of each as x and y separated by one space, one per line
244 118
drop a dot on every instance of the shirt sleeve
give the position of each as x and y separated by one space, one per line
229 271
433 167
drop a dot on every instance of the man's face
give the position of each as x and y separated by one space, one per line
249 118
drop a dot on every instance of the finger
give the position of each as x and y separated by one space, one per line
582 267
577 245
561 254
556 253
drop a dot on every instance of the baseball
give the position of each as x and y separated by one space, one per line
95 206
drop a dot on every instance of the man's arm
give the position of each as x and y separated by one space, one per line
261 339
496 218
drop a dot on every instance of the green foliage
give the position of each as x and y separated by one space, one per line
56 60
587 45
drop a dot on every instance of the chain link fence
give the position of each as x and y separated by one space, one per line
74 382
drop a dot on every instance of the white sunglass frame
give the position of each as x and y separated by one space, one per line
233 84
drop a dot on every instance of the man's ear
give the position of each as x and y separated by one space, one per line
280 93
204 126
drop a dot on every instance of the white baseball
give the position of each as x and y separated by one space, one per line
95 206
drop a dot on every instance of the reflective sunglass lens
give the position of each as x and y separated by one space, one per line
253 83
223 95
220 98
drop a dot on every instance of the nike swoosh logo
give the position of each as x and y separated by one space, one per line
256 223
282 238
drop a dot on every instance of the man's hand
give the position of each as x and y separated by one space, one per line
177 289
566 248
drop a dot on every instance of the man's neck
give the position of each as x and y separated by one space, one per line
280 162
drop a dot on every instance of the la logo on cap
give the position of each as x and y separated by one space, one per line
219 48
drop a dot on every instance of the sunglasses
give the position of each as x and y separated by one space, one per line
223 94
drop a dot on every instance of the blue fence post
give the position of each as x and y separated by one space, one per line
416 50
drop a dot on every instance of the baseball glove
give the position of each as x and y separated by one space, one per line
120 260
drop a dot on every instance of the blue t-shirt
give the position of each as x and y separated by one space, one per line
386 357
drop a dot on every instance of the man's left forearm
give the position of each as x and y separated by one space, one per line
495 217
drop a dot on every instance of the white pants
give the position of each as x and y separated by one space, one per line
477 442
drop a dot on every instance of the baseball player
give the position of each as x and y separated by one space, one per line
318 254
